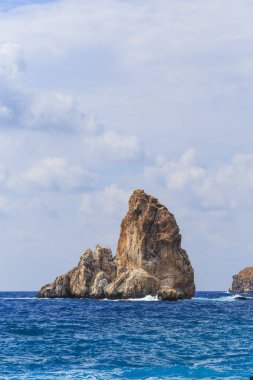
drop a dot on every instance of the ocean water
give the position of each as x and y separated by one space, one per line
208 337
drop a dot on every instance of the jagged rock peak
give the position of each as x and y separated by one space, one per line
146 224
149 260
243 281
150 240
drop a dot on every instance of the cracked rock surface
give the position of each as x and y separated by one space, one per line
93 273
243 281
149 260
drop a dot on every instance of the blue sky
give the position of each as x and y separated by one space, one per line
98 98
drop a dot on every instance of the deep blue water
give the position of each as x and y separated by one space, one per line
208 337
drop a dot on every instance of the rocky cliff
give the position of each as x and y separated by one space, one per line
149 260
243 281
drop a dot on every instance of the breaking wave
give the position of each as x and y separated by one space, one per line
147 298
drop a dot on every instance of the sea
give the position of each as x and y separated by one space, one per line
207 337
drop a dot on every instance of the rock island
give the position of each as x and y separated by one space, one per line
243 281
149 260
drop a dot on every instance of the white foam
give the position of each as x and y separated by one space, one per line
17 298
219 299
147 298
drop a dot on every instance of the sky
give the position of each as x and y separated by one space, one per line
101 97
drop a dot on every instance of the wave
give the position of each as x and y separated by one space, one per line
243 297
18 298
231 298
147 298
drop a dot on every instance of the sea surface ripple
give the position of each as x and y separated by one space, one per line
208 337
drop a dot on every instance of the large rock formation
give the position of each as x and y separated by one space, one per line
150 243
149 260
243 281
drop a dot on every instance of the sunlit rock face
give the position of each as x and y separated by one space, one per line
93 273
243 281
150 240
149 260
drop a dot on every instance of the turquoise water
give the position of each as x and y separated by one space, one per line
208 337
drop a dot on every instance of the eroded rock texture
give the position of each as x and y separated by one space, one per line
93 273
243 281
149 260
150 240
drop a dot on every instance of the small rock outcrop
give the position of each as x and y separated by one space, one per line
167 294
93 273
149 260
243 281
136 283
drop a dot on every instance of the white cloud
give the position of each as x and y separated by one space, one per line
224 187
54 111
11 61
110 201
113 146
178 175
5 205
12 97
230 185
52 174
29 109
3 173
5 112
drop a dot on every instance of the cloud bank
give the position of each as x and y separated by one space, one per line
98 98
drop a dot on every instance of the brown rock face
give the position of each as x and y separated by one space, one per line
167 294
136 283
243 281
149 260
150 240
94 271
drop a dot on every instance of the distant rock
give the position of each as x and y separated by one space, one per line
149 260
243 281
